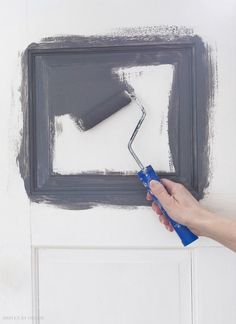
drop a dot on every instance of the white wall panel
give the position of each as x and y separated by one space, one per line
119 286
214 286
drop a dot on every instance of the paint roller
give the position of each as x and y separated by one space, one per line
96 115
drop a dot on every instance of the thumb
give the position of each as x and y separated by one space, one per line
160 192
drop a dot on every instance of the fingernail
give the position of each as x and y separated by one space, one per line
153 184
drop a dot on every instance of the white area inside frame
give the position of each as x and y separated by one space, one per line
104 148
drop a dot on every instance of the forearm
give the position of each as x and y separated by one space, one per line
216 227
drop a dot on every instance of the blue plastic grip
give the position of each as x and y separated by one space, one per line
146 175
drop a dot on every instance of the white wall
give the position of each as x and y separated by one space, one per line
22 223
28 21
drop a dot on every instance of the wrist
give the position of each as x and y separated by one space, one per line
201 221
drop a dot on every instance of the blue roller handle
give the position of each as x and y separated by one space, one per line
146 175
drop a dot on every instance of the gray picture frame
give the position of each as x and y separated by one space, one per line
187 121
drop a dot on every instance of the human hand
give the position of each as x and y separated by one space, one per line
179 204
185 209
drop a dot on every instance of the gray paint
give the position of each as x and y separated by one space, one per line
73 74
95 115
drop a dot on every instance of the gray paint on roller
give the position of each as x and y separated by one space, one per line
95 115
73 75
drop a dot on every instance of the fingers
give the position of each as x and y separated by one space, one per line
149 197
171 186
162 218
180 194
166 223
156 208
161 193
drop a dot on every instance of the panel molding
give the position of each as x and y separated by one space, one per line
202 290
85 190
35 285
78 255
213 285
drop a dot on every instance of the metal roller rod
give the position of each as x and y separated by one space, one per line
133 97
